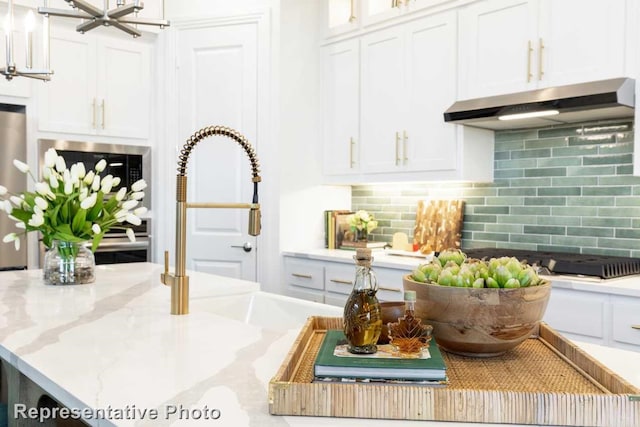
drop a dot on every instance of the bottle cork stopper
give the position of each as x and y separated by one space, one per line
363 254
410 296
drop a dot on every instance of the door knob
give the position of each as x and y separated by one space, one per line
246 247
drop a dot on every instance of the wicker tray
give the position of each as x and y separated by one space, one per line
546 381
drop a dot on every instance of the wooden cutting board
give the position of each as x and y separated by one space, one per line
438 225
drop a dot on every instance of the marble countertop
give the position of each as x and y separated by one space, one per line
113 345
623 286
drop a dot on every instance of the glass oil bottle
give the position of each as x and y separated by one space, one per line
362 315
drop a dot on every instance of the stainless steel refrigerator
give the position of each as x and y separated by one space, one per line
13 145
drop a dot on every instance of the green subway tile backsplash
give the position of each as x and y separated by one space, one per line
565 188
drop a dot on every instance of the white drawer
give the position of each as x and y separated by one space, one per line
306 294
575 312
338 300
339 279
304 273
626 320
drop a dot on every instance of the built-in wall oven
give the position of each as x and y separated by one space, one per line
130 163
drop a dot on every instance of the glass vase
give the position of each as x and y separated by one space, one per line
68 263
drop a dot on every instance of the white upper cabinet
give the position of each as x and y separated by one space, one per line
341 106
341 16
382 103
100 86
407 80
515 45
581 40
376 11
430 56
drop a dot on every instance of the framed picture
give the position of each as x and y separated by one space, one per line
343 230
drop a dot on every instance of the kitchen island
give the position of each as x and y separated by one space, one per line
112 350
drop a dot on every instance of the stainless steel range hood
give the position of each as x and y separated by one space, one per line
604 99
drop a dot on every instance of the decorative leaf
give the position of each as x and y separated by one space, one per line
78 221
96 241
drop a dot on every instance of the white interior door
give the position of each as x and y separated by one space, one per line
217 74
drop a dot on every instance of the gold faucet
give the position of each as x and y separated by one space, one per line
179 281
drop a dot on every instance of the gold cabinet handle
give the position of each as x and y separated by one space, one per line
405 138
352 143
304 276
352 16
635 326
342 282
540 59
529 53
397 148
382 288
103 114
93 114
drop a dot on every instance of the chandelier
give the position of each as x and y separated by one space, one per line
118 17
91 16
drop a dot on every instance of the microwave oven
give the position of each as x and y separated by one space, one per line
128 162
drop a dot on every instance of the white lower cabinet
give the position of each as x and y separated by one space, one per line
579 315
625 321
597 317
331 282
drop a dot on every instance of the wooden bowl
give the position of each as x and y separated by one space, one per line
479 322
391 311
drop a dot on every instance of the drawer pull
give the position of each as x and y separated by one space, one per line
382 288
304 276
342 282
635 326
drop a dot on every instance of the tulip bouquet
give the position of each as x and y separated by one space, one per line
71 204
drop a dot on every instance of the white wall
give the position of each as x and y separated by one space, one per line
302 198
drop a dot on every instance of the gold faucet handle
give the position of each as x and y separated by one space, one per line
165 277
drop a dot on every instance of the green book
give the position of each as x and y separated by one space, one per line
328 365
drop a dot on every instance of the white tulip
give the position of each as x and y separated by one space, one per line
89 202
140 211
88 178
84 192
121 193
17 201
36 220
95 186
37 211
3 190
131 235
68 187
22 167
116 181
122 213
42 203
139 185
101 165
21 225
8 207
96 229
61 165
81 170
107 184
43 189
138 195
53 181
132 219
9 237
16 243
12 218
129 204
50 157
46 173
